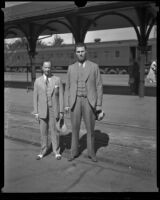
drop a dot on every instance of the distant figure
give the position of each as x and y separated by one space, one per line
151 76
84 92
134 77
48 106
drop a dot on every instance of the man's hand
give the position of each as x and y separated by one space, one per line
61 115
67 109
98 108
37 117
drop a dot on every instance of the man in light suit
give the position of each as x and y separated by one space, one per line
83 97
48 105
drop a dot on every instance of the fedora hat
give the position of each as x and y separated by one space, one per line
61 126
99 115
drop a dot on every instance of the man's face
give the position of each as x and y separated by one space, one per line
46 68
81 54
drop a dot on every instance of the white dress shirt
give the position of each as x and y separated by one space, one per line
45 77
83 65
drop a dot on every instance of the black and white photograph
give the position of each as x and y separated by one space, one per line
80 97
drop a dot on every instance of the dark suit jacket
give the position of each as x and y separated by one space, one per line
40 98
93 82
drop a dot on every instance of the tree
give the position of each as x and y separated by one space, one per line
97 39
15 45
6 47
20 43
57 41
40 44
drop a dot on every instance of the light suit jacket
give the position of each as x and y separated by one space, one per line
40 97
93 82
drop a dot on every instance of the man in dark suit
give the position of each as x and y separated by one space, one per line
48 105
83 96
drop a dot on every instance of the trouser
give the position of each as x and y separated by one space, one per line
82 108
50 121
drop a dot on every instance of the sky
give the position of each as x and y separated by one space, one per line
104 35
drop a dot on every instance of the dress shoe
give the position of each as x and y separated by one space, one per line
58 156
39 156
93 158
72 158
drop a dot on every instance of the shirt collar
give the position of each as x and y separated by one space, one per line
83 65
44 76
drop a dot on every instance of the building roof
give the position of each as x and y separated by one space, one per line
43 12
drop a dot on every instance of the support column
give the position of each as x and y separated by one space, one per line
141 61
79 26
32 37
32 52
33 68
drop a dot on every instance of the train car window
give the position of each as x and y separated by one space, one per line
72 55
90 54
59 55
117 53
94 55
106 54
133 52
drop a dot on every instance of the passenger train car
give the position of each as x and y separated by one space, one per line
113 57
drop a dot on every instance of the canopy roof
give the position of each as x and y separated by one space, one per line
40 13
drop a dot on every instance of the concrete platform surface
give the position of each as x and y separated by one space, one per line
125 137
108 79
24 174
119 109
128 147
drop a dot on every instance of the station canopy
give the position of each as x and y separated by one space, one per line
40 13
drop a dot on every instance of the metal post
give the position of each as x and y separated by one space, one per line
142 71
27 74
33 70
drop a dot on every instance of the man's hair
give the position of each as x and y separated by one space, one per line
43 64
80 44
46 61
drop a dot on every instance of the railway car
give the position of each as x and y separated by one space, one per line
113 57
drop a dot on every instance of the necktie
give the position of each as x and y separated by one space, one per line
48 92
47 81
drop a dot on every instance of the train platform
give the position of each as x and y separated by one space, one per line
112 84
126 137
24 174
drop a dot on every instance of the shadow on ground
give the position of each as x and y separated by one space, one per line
101 140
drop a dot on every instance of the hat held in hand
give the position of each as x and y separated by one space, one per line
61 126
100 115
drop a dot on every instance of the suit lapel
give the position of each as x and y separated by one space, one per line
42 82
86 70
75 70
52 83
